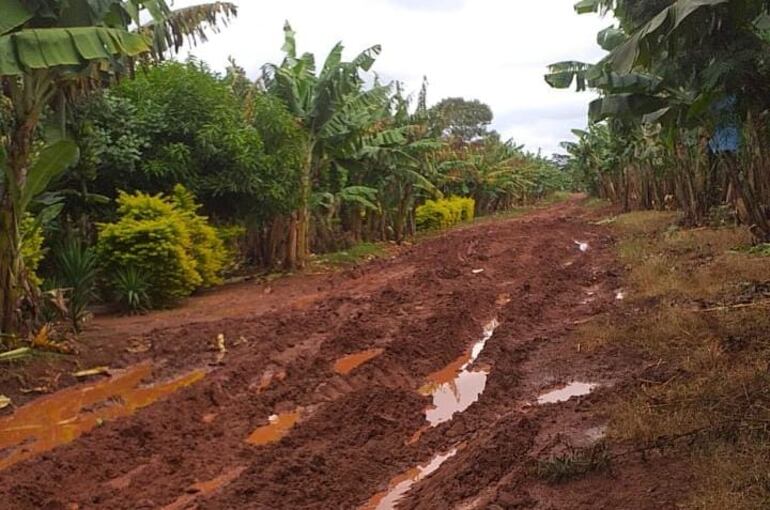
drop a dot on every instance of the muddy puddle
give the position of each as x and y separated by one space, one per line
455 387
60 418
401 484
566 392
348 363
278 427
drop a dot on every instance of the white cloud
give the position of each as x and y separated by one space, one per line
492 50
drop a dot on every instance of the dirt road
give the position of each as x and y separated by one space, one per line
414 379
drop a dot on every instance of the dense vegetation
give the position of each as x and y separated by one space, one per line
682 118
175 176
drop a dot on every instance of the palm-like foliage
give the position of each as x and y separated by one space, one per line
678 76
493 173
335 110
397 159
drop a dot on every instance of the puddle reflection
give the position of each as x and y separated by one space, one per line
455 387
277 429
401 484
60 418
203 489
573 389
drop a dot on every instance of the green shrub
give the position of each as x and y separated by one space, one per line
76 268
443 213
131 290
164 240
467 207
32 251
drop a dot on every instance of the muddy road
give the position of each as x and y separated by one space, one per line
423 381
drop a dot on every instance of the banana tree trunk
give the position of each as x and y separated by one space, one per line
303 211
758 222
10 262
28 97
291 259
19 151
402 213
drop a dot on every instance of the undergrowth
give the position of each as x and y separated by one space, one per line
573 463
698 308
357 253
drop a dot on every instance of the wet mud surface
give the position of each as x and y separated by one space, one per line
408 383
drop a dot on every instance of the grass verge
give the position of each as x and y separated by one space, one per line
698 308
358 253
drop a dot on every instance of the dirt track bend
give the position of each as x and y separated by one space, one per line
361 433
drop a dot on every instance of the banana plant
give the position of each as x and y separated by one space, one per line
49 163
334 109
51 52
492 173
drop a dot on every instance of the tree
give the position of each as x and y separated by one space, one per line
50 52
397 164
265 212
461 119
334 110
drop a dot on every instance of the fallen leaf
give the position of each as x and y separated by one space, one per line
39 389
41 338
4 401
92 371
16 353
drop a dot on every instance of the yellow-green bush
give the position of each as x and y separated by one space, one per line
443 213
165 240
208 250
32 251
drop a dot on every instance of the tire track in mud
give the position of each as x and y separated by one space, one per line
353 434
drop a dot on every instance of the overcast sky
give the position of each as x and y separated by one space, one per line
492 50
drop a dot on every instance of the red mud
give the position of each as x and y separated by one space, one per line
420 311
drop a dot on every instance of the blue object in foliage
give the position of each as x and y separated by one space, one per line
727 136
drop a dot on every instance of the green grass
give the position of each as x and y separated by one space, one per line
555 198
760 249
357 253
596 203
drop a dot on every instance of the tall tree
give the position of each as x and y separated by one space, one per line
334 109
461 119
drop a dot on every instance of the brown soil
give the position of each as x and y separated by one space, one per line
344 434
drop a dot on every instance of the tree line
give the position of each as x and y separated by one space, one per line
122 168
